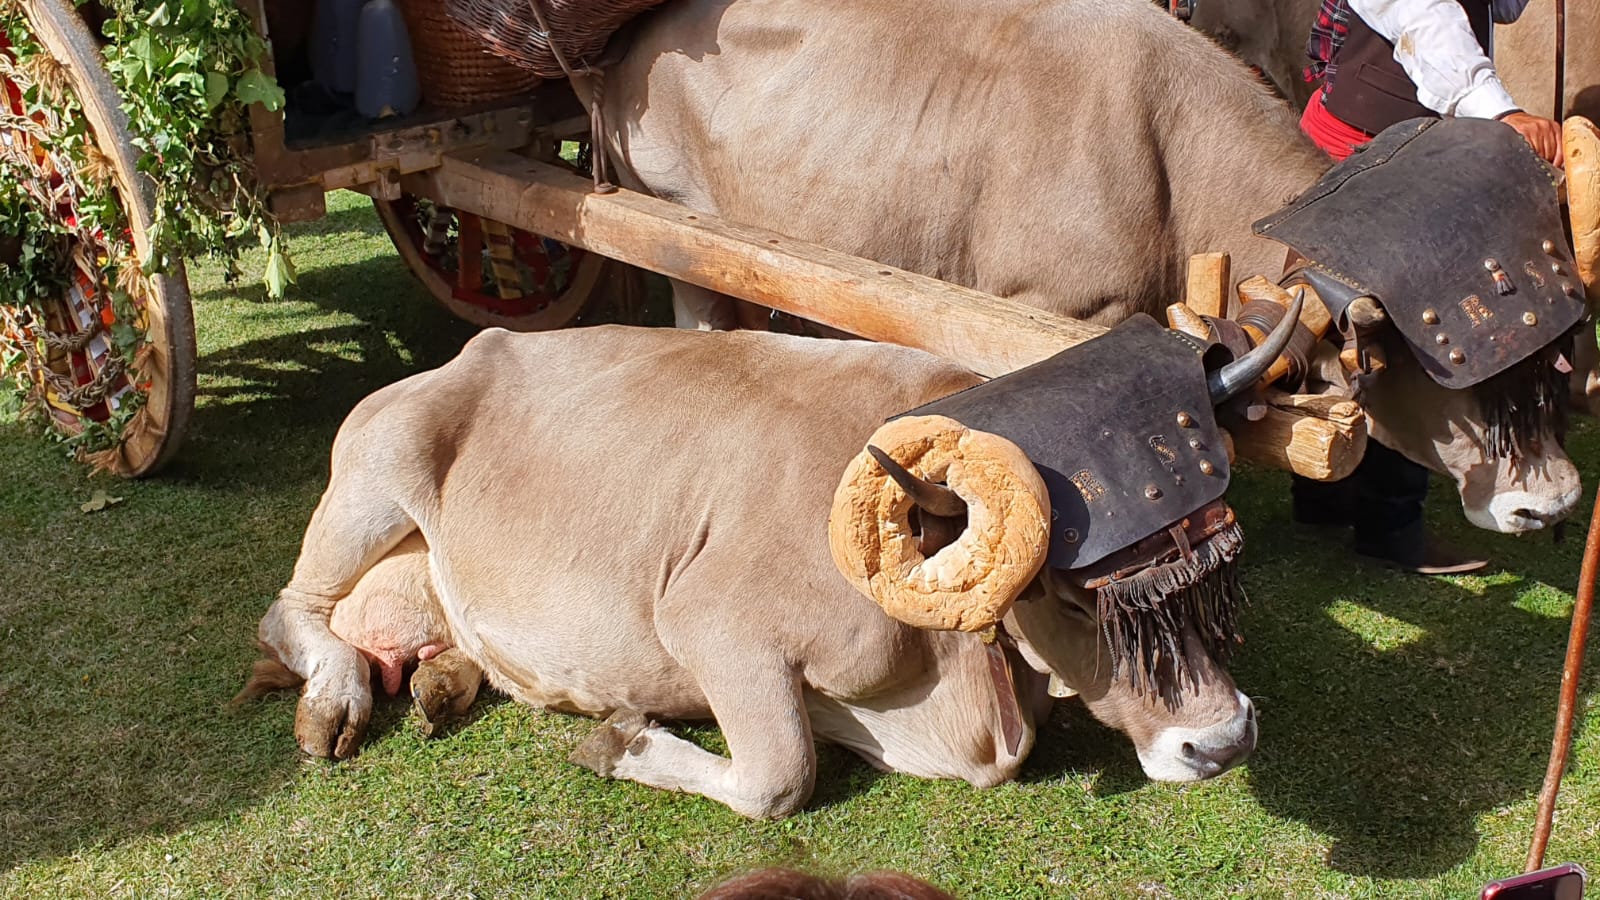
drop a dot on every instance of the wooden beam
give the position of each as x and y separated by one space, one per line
1319 437
990 335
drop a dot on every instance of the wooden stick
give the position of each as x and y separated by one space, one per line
1566 708
989 335
1210 276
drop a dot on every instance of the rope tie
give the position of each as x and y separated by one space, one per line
602 176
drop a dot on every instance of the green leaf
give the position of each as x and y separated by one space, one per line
159 17
280 271
255 87
216 89
100 500
143 49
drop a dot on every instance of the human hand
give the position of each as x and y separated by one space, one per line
1544 135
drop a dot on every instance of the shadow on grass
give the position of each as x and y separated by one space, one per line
130 629
1396 710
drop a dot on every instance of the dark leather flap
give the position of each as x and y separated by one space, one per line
1445 223
1121 428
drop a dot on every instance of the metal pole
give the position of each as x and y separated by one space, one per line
1567 710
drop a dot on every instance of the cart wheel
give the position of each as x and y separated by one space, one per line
489 273
105 350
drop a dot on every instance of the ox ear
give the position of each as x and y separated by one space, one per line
970 584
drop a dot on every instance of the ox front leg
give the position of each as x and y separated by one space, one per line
352 528
773 761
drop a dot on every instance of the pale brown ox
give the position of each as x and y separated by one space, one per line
1070 154
635 520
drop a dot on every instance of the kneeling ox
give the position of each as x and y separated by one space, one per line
635 523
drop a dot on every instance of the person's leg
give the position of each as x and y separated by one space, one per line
1387 515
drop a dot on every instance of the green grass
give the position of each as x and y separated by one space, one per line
1405 721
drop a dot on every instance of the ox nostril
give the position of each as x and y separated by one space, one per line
1189 752
1522 512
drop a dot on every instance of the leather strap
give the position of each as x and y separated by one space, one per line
1005 690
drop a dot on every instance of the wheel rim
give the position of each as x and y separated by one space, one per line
102 351
488 273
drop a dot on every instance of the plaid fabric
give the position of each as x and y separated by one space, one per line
1327 33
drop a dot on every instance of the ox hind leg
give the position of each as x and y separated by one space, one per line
354 526
443 688
756 699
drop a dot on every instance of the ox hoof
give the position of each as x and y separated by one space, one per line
332 717
332 727
443 688
605 745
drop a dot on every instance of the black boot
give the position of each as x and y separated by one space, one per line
1412 549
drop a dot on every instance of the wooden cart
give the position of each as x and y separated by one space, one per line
502 232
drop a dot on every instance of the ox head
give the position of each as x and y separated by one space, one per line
1104 549
1456 328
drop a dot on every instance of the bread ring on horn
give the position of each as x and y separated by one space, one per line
1581 143
970 584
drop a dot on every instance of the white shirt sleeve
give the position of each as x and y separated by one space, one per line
1434 44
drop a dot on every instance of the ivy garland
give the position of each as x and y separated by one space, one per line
186 71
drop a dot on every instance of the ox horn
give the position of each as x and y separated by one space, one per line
935 498
1364 312
969 584
1228 381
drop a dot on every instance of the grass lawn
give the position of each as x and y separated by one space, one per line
1404 721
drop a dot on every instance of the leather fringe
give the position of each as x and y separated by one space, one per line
1143 616
1526 402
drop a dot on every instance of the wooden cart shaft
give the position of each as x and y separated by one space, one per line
1311 436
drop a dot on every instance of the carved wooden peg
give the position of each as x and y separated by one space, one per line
1210 275
1180 317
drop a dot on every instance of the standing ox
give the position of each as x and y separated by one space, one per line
1069 154
636 523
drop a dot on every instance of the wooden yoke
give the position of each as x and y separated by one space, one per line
989 335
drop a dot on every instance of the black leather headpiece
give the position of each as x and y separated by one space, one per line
1121 428
1454 227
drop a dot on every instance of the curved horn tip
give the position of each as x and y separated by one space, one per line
935 498
1232 379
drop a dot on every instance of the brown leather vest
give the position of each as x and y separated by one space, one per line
1370 90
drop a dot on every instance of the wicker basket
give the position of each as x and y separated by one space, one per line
582 27
454 66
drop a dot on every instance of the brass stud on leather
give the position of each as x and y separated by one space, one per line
1441 339
1185 420
1070 535
1555 268
1194 443
1529 318
1570 289
1548 246
1430 317
1457 357
1206 468
1151 492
